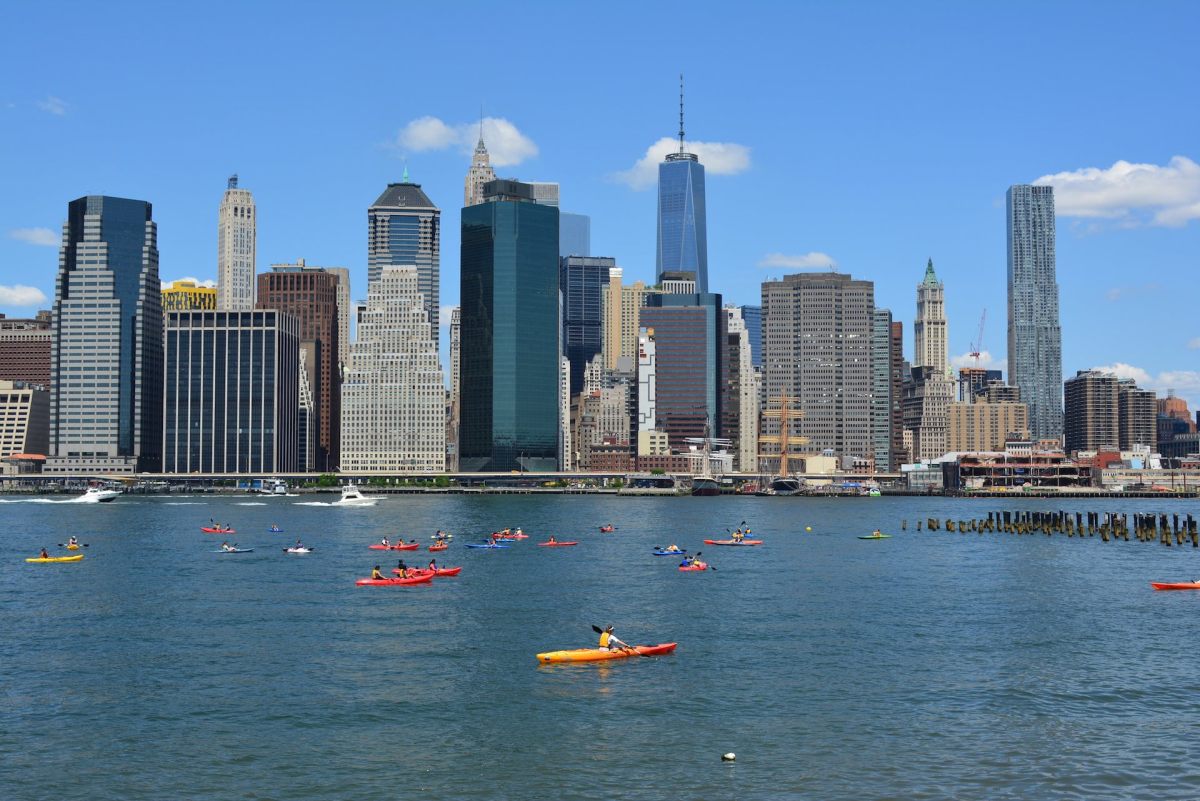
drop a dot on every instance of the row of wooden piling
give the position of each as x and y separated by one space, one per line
1169 530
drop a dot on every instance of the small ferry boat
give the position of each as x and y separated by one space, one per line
352 496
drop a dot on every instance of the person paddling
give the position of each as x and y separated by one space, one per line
384 542
552 540
433 565
673 548
403 568
375 573
608 640
73 541
43 554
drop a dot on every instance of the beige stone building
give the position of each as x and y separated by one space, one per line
984 426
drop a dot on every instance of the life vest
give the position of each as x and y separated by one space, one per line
604 638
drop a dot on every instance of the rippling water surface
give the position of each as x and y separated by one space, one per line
928 666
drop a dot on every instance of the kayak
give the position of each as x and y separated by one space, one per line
558 544
439 546
1179 585
658 552
514 537
695 566
400 546
74 558
606 529
441 571
274 531
72 547
236 550
485 545
299 550
598 654
210 530
393 582
733 542
876 537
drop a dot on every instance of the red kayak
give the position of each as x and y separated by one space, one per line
393 582
694 566
439 546
208 530
606 529
514 537
1179 585
399 546
558 544
441 571
733 542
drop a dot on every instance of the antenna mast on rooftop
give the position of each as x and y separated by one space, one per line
681 113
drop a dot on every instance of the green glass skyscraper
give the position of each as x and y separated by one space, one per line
510 332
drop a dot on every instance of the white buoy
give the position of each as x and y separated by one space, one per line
728 757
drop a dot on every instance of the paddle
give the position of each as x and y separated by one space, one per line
710 567
599 630
80 544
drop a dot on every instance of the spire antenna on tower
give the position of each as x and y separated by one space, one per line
480 123
681 113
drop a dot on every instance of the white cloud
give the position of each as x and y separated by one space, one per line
1185 383
1132 194
35 236
718 158
1194 344
986 361
444 315
798 261
21 295
53 105
505 143
207 282
1123 292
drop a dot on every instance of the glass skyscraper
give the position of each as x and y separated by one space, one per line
583 282
682 231
1034 334
752 316
107 348
404 230
509 391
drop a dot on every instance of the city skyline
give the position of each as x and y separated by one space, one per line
812 158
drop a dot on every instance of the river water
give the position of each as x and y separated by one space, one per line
928 666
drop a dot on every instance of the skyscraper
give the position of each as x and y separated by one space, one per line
740 385
509 388
931 348
817 351
237 232
1034 334
881 389
1092 415
231 402
583 282
682 228
311 294
107 352
480 173
752 316
393 395
404 230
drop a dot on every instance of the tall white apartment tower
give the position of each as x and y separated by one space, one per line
393 394
931 346
237 232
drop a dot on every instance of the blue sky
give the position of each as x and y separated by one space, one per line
876 134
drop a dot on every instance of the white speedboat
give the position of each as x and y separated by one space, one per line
98 495
352 496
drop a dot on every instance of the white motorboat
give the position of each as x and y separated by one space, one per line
352 496
98 495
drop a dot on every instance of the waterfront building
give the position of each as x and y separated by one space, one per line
1170 406
479 174
1137 416
25 349
926 400
930 338
404 229
106 362
817 351
972 381
24 418
188 296
682 226
231 397
647 371
311 294
237 234
985 426
1034 334
1092 421
393 391
752 317
566 448
689 335
740 385
882 399
510 375
583 282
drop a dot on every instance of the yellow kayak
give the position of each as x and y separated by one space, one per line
74 558
72 547
597 654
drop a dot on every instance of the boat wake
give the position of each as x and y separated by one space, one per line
184 503
80 499
249 503
314 503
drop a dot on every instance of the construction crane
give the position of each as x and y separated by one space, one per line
977 345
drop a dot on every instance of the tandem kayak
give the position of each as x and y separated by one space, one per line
439 573
439 546
1161 585
210 530
598 654
733 542
393 582
694 566
235 550
485 545
558 544
876 537
74 558
399 546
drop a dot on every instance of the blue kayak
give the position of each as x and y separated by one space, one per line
274 531
670 553
476 545
236 550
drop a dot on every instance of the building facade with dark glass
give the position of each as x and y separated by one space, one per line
231 399
682 229
510 332
583 282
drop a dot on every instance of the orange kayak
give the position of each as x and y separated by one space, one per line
598 655
1179 585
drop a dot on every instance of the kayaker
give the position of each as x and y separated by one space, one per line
608 639
738 536
298 544
876 533
552 540
687 561
43 554
403 568
72 541
224 546
673 548
433 565
375 573
384 542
